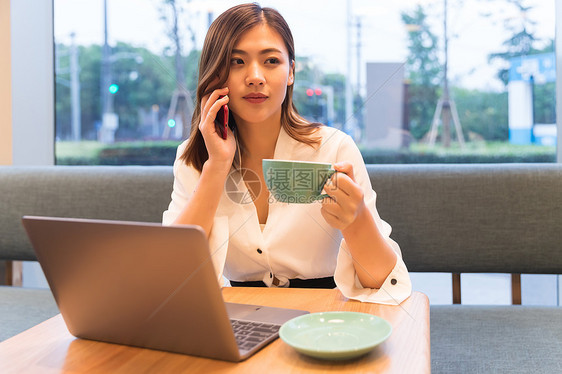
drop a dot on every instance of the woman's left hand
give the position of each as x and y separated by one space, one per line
345 199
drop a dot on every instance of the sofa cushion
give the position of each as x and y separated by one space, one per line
23 308
496 339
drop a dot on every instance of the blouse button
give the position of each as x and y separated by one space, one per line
259 251
393 281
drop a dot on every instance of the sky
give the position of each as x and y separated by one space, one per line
319 29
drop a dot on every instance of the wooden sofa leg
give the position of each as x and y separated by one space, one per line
456 288
14 270
516 289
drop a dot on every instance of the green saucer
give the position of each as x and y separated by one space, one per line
335 335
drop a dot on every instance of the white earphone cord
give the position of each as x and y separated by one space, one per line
238 150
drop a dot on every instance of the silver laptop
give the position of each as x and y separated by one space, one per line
147 285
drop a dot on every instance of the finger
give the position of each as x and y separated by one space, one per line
217 105
340 203
330 203
211 115
330 218
342 207
211 99
345 167
340 182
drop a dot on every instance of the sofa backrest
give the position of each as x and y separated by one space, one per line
504 218
447 218
129 193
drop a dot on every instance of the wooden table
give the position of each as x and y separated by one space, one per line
49 347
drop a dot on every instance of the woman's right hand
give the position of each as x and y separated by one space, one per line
221 151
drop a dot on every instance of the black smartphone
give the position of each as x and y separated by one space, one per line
221 122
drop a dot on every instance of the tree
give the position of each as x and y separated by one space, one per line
90 106
170 13
142 86
520 43
422 65
423 71
483 113
337 82
309 75
544 95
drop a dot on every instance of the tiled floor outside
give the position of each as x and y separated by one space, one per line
475 288
536 289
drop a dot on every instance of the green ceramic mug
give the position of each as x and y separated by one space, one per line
296 182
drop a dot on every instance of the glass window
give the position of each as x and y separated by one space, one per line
124 90
408 86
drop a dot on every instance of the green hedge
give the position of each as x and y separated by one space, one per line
155 154
163 153
408 157
127 154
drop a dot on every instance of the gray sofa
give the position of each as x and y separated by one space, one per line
498 218
121 193
486 218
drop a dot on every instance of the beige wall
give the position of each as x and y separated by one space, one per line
5 85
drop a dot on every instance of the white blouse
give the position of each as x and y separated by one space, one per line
296 241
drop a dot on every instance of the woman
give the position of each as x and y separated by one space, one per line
248 62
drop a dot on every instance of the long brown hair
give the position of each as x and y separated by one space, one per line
223 34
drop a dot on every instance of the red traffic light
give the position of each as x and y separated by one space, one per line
315 91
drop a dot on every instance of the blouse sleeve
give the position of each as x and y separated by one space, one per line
397 286
185 181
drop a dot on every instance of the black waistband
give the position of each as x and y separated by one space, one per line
327 282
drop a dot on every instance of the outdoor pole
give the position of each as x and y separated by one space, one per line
107 104
358 44
349 118
446 105
446 108
75 120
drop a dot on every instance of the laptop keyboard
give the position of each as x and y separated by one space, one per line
249 334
